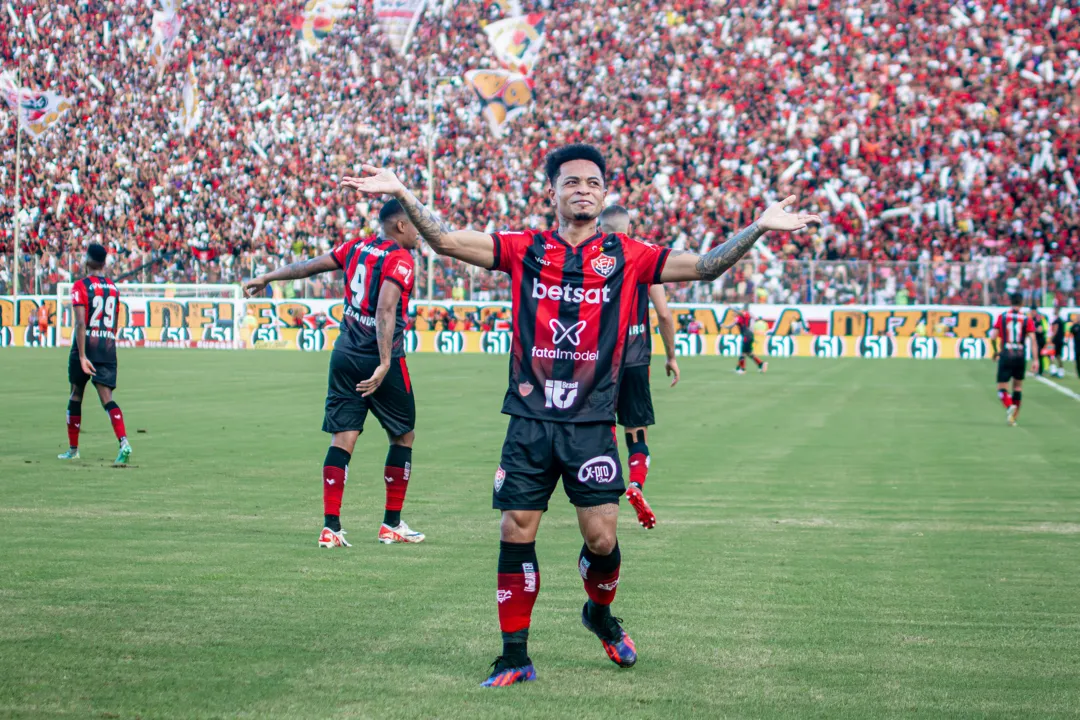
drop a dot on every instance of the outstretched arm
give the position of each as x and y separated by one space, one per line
666 322
475 248
688 266
294 271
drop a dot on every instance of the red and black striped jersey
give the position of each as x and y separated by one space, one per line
639 336
743 321
1013 327
101 299
367 265
572 307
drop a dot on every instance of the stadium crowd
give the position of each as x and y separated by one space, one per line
963 118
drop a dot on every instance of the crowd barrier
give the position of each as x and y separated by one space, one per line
921 332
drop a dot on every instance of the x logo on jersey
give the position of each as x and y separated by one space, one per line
560 333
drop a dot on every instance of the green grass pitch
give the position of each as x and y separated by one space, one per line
836 539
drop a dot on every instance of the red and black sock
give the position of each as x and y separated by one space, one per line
74 420
601 576
639 460
1003 396
335 474
756 359
396 475
117 419
519 584
1016 398
742 362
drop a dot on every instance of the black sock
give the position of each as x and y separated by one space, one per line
516 647
1017 396
333 522
391 518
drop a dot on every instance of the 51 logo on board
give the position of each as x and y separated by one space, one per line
828 346
782 346
971 349
688 344
449 341
729 345
877 346
311 340
924 348
497 343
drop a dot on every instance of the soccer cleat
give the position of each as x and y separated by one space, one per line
645 516
400 534
330 539
71 454
124 454
617 643
502 674
1010 415
764 368
740 371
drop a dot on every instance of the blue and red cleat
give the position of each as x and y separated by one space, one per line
503 674
617 643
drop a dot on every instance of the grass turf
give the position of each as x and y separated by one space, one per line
838 538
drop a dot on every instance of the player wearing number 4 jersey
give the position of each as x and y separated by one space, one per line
573 295
367 366
94 301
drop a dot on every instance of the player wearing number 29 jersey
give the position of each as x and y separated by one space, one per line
95 304
367 367
573 300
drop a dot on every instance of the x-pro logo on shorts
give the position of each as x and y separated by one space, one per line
560 333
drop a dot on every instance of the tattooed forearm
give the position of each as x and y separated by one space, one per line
295 271
384 333
714 263
425 221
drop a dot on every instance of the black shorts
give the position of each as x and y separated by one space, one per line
536 453
105 375
1010 368
634 407
1059 348
747 344
393 403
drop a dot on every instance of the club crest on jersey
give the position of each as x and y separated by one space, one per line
525 388
603 264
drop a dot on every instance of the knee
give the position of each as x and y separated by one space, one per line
405 440
601 541
76 395
515 527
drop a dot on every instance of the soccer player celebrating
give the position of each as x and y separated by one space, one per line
745 323
94 301
367 366
1007 338
573 291
634 408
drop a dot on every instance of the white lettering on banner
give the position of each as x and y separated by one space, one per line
572 333
601 469
557 354
559 394
570 294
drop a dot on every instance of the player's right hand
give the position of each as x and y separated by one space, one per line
377 181
87 366
254 287
672 369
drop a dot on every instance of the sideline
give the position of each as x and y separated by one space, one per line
1060 388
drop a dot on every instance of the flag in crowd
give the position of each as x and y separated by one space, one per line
503 95
317 21
517 41
189 117
35 110
398 19
166 28
511 8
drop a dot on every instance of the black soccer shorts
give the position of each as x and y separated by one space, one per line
105 374
747 344
392 404
536 453
1011 368
634 407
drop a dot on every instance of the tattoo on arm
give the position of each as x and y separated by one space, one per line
384 333
427 224
715 263
295 271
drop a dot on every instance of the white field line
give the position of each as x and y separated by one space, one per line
1060 388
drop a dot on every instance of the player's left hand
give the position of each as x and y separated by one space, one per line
1035 368
672 369
377 181
254 287
369 386
87 366
776 217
